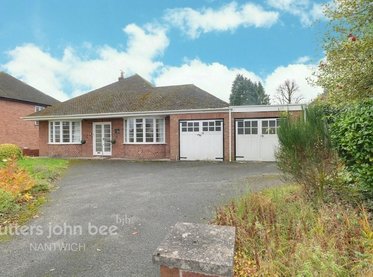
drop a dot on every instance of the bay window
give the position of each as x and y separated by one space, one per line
64 132
144 130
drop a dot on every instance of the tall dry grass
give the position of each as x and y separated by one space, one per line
280 233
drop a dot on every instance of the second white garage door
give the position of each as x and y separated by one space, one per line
256 139
201 140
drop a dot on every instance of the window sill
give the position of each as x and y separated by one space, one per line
144 143
65 143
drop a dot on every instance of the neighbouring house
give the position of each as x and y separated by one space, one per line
17 100
133 119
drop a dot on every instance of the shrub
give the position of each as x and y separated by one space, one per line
305 152
352 136
7 202
280 233
15 180
9 151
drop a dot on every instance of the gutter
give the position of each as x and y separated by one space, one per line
124 114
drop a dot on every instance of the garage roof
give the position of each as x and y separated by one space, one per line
135 94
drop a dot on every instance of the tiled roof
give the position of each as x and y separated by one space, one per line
12 88
135 94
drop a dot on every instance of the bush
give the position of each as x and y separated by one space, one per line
10 151
7 202
305 152
352 136
15 180
280 233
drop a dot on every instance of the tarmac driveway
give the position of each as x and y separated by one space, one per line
139 201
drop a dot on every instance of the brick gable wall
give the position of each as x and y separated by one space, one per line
13 129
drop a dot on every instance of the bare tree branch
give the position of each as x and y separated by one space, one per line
287 93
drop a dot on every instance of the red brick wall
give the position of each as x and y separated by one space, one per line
119 150
15 130
169 150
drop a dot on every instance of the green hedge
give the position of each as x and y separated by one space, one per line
8 151
352 136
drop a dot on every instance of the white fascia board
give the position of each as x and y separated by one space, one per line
120 115
267 108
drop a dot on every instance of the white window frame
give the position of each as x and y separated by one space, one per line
61 131
126 130
38 109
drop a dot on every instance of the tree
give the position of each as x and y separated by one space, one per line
347 72
287 93
246 92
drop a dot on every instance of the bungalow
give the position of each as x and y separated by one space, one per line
17 100
133 119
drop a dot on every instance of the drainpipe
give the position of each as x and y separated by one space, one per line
230 134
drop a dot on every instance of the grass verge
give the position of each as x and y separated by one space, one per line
41 173
280 233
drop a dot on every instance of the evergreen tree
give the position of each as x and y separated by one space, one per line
246 92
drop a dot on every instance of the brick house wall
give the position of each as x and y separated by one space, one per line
168 150
16 130
119 149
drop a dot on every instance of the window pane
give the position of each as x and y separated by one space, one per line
51 136
131 130
149 129
254 131
205 123
75 131
218 128
247 131
205 128
160 130
139 130
240 123
65 131
57 132
240 131
264 123
218 123
272 123
196 126
247 123
254 123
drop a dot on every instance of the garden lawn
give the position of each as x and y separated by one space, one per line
280 233
40 174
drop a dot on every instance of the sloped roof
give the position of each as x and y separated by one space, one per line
12 88
135 94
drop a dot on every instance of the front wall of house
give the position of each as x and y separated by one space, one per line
13 128
169 150
119 149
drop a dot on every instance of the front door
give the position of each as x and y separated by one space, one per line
102 138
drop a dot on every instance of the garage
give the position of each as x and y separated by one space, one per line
201 140
256 139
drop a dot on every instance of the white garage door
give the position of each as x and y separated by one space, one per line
256 139
201 140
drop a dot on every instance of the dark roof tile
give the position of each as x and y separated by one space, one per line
12 88
135 94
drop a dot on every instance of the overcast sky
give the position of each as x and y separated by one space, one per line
66 48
